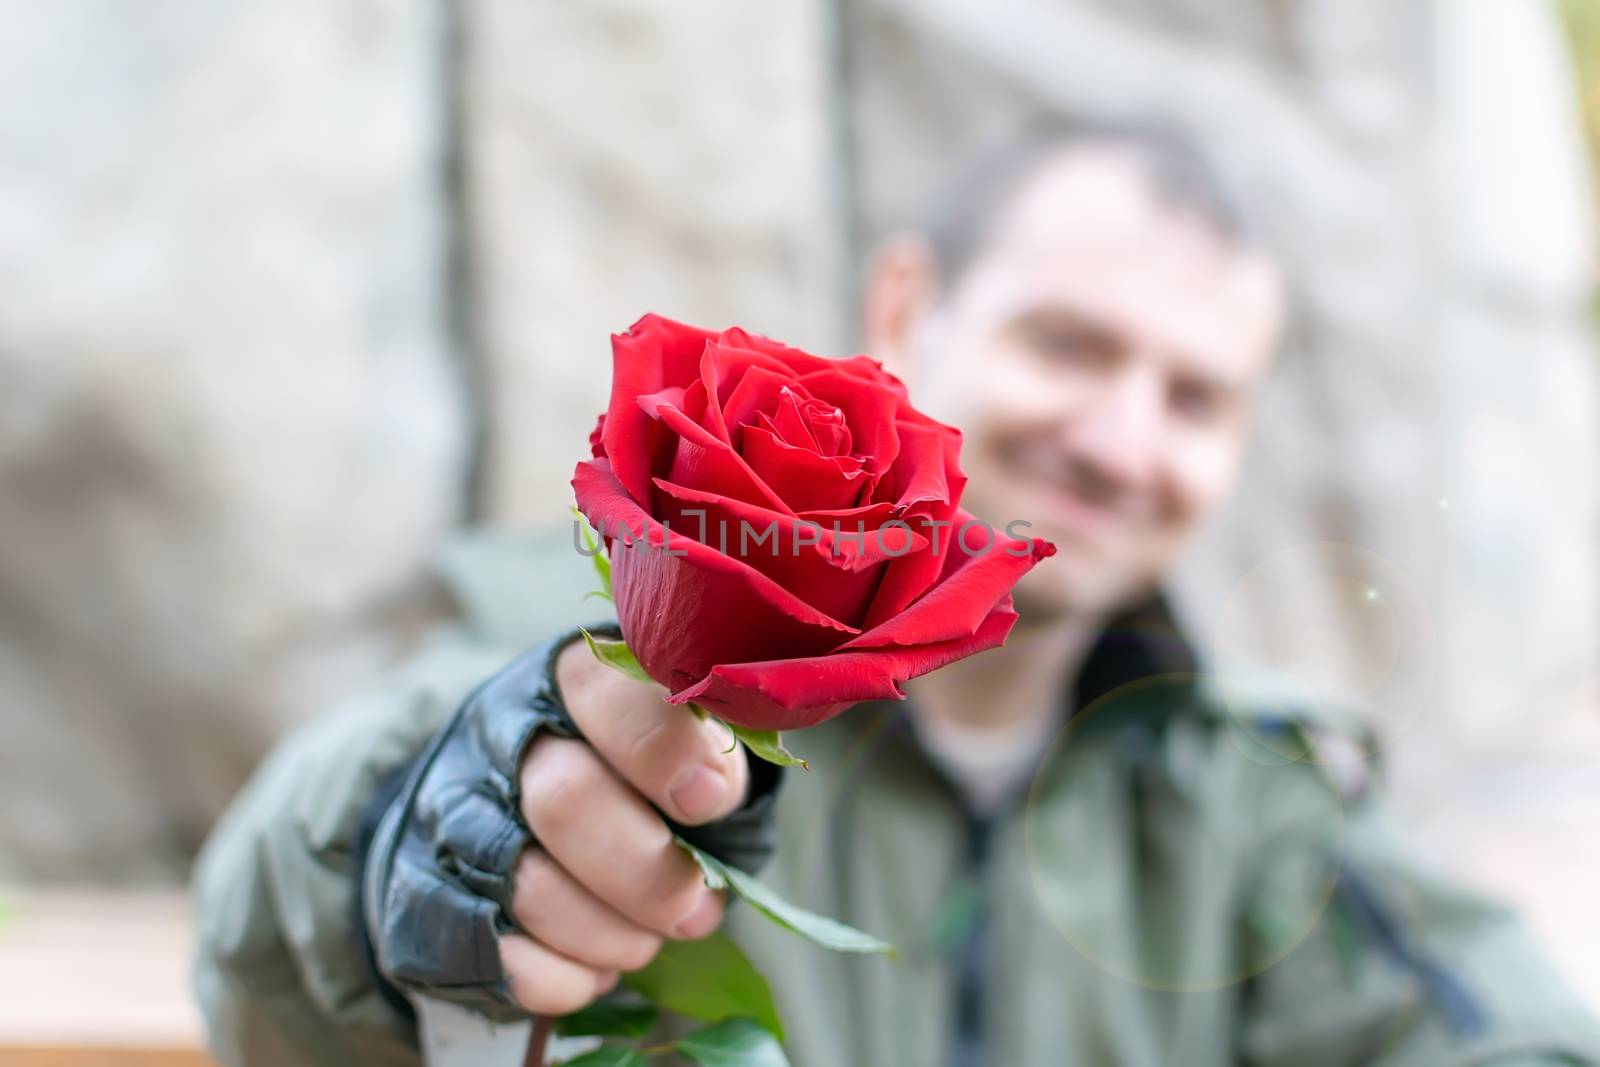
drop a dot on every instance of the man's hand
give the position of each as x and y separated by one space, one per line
604 883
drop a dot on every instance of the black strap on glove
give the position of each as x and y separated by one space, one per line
436 881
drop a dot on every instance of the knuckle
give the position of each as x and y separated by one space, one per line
670 896
638 951
562 998
555 784
652 750
536 759
738 766
589 688
576 677
710 741
540 985
674 873
536 877
719 908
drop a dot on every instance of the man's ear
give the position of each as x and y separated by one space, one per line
901 283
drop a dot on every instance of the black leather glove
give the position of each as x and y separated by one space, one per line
436 878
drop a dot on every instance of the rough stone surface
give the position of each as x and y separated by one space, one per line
627 156
229 430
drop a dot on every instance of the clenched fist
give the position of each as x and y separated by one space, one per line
603 883
527 857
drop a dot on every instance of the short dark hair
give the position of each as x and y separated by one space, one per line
961 219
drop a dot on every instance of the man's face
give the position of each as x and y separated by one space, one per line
1100 355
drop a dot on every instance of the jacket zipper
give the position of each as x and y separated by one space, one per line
972 955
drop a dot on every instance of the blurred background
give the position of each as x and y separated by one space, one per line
291 293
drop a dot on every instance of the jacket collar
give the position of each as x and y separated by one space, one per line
1141 642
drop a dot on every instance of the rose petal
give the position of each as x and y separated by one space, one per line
792 694
871 516
973 585
828 428
735 361
790 424
711 371
685 607
909 577
868 369
652 403
802 479
756 394
701 411
836 577
919 470
869 410
853 538
797 361
703 462
653 354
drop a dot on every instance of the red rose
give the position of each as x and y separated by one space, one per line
784 529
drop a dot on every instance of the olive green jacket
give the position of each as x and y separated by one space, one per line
1178 885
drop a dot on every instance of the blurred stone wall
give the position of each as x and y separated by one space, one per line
292 290
626 156
231 427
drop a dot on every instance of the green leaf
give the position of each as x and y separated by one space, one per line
603 1019
709 979
614 653
829 933
733 1043
597 556
608 1056
768 744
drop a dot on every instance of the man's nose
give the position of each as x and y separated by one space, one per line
1117 434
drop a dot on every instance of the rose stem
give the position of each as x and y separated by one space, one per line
537 1039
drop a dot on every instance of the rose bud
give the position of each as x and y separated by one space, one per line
785 530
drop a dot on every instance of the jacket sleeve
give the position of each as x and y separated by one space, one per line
278 970
284 971
1359 953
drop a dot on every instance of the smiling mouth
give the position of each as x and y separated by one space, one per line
1078 514
1058 498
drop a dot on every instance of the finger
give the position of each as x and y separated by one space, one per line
558 912
687 766
612 842
547 983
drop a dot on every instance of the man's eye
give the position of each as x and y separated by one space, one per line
1060 346
1197 401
